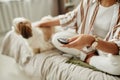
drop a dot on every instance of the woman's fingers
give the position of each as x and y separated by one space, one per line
70 44
73 38
76 43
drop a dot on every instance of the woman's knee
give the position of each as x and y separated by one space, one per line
63 34
105 64
58 44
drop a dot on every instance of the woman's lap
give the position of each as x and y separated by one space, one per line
106 64
64 34
101 62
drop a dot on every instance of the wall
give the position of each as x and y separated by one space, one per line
31 9
76 2
42 8
67 5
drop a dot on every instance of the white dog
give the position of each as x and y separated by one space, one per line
38 38
41 39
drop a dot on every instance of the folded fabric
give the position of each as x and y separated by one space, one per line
16 46
83 64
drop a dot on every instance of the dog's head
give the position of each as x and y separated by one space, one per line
22 26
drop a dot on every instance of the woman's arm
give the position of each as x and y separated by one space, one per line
80 41
83 40
69 19
108 47
52 22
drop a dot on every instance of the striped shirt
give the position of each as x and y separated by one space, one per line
84 19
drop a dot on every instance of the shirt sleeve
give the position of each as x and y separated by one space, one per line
73 18
69 19
116 36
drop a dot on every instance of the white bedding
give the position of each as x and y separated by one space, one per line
9 70
49 65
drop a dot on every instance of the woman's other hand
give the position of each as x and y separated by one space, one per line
47 22
80 41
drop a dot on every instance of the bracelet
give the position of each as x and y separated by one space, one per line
95 43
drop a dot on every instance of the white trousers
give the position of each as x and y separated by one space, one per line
107 63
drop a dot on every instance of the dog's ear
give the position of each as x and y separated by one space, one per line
25 29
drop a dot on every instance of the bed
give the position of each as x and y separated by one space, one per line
51 65
48 65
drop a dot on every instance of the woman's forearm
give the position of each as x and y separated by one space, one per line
109 47
53 22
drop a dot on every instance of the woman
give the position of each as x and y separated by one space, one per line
97 25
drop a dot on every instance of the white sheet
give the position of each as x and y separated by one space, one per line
9 70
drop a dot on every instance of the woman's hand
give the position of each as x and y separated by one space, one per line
80 41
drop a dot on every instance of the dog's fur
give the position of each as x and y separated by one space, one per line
23 26
38 38
48 31
40 41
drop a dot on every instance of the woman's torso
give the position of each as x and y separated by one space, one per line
105 18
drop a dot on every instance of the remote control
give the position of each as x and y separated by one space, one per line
63 40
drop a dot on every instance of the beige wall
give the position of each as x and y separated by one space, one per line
63 5
76 2
42 8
